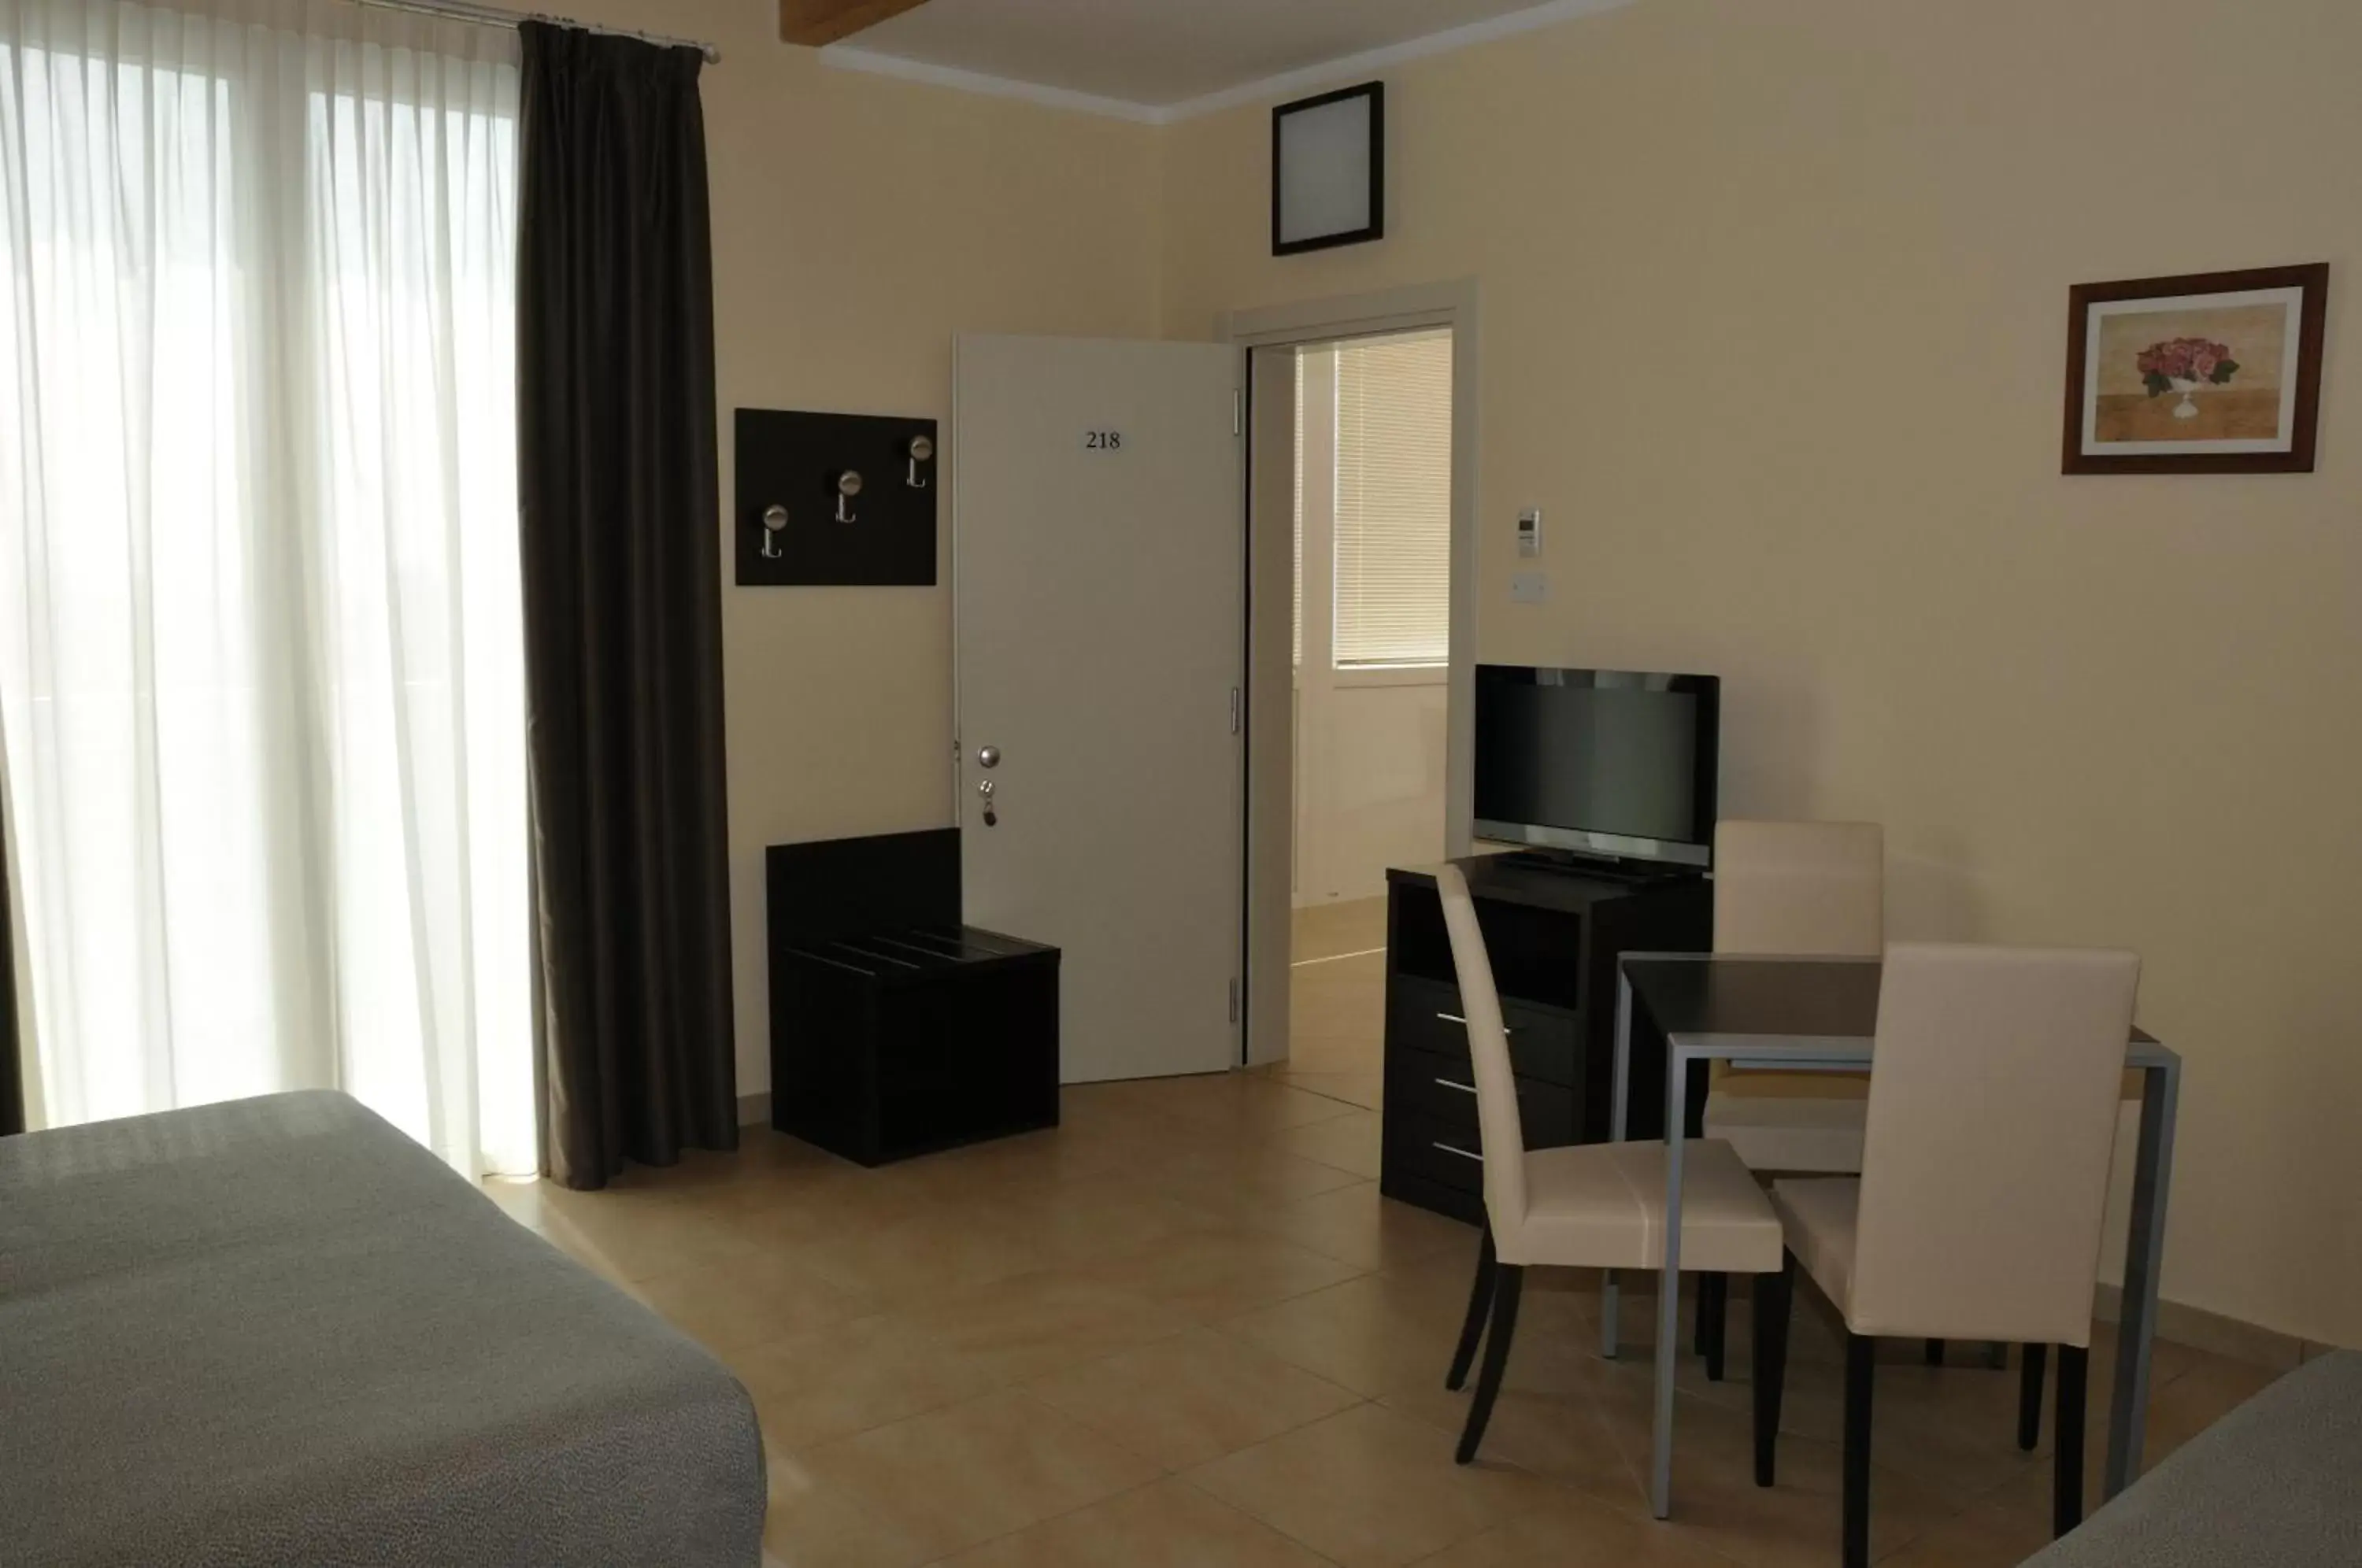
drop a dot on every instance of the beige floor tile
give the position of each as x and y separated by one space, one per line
1326 930
1000 1351
1980 1538
816 1387
2208 1388
1032 1324
749 1300
1217 1271
1192 1398
2203 1389
1561 1437
635 1235
1370 1486
1364 1088
1362 1334
1237 1104
920 1254
812 1524
1087 1221
1356 1225
958 1477
1240 1181
1718 1504
1351 1141
1573 1532
1169 1525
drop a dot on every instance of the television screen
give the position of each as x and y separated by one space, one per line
1609 760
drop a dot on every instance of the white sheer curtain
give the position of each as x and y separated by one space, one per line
260 628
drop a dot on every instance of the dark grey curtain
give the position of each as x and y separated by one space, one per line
618 487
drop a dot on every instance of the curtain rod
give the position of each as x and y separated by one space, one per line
493 15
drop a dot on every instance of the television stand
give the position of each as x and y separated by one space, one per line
1554 932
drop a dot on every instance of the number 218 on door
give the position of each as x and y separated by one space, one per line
1102 440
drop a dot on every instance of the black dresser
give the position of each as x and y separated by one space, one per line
1553 936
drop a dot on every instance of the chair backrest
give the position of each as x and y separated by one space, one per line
1801 887
1992 1123
1502 1130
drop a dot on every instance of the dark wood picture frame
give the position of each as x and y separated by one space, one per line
2312 329
1375 91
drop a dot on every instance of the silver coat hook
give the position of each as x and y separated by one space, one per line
775 522
848 485
923 450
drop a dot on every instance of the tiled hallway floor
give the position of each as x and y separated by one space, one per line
1183 1329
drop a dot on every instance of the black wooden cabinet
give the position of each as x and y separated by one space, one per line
1553 936
895 1030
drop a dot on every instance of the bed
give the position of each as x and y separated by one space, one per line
277 1331
2272 1485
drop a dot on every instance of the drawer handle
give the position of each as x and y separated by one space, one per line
1454 1149
1455 1018
1464 1088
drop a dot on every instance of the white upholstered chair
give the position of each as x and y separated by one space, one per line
1803 890
1991 1120
1596 1206
1810 890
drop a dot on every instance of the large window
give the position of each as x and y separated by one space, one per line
261 627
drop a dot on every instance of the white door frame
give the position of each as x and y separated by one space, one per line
1452 305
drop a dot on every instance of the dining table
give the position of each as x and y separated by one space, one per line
1820 1014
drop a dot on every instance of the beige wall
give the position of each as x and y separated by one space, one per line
857 224
1773 301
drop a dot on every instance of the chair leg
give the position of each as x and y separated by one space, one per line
1861 1362
1774 1298
2066 1483
1480 1303
2029 1396
1935 1352
1712 1319
1509 1279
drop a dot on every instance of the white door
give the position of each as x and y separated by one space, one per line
1099 588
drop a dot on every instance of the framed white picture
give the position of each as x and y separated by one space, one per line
1328 170
2208 373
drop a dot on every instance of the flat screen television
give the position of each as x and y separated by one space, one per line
1603 762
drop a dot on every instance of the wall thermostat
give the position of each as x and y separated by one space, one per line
1530 531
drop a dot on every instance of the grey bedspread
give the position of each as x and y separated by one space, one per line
280 1332
2274 1483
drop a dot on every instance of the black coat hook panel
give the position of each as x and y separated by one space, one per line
836 499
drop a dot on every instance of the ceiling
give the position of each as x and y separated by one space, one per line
1163 57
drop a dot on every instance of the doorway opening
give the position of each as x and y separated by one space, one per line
1367 753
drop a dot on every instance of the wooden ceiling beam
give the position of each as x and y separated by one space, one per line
818 22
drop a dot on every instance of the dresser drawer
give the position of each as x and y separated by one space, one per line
1423 1016
1441 1088
1435 1151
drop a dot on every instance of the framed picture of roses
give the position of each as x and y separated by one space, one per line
2209 372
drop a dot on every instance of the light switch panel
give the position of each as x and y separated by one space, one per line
1530 588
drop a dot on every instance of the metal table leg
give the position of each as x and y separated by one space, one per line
2144 1258
1669 1282
1610 1305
